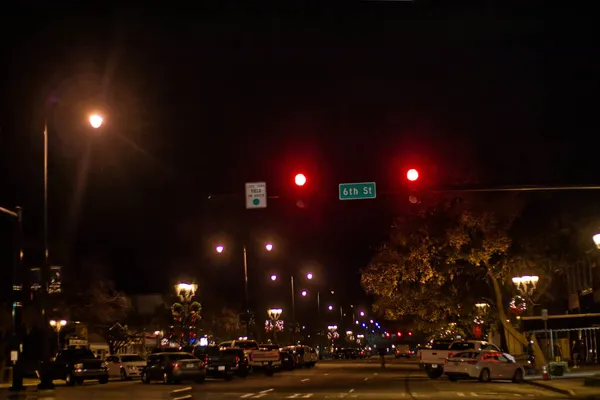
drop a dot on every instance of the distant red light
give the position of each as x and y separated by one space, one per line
409 333
412 175
300 179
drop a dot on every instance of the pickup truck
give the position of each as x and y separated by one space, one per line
432 360
223 363
265 357
77 364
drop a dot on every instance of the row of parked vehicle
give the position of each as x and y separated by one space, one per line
77 364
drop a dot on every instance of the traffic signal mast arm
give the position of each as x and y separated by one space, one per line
516 188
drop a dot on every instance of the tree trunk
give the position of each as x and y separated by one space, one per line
521 338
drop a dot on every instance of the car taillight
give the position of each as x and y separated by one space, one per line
175 365
201 364
237 359
206 360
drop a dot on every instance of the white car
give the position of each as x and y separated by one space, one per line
484 365
125 366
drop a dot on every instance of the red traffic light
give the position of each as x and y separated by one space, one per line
300 179
412 175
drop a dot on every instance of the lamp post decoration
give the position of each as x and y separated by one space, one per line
186 312
526 286
274 324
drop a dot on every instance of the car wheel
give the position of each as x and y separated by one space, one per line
166 378
123 375
145 379
485 375
518 377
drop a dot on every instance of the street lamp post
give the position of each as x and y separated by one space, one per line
57 326
95 121
220 249
274 314
309 276
185 292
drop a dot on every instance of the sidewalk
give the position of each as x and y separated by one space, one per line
26 382
572 384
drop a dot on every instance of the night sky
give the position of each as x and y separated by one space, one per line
198 102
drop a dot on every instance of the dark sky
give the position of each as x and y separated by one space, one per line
199 102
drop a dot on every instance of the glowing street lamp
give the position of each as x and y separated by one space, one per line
269 246
186 291
274 313
309 276
273 277
220 249
596 239
362 313
330 308
304 293
526 284
96 121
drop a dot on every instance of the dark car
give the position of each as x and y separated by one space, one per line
77 364
223 363
173 367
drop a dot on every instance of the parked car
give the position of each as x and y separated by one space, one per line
125 366
289 359
77 364
484 365
173 367
433 360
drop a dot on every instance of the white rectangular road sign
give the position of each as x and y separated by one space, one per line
256 195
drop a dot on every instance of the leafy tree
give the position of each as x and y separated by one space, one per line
439 255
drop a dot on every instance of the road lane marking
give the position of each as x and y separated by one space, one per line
266 391
460 394
326 374
474 394
247 395
305 379
351 390
258 396
366 379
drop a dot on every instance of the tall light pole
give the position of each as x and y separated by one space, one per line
95 121
220 249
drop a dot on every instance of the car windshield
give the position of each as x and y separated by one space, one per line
132 358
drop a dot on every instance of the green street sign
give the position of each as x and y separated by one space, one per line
357 191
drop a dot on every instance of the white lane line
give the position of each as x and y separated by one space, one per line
474 394
305 379
460 394
258 396
266 391
366 379
326 374
247 395
351 390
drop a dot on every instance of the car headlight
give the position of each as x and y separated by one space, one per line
78 366
104 365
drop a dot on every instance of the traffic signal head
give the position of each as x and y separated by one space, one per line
300 179
412 175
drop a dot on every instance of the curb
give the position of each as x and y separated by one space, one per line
568 392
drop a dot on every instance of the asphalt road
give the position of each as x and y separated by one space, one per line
328 380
